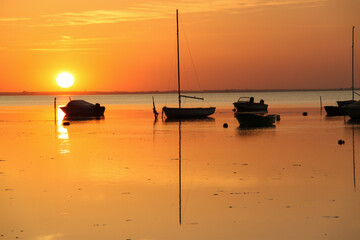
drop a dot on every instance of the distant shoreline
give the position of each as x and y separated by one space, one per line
26 93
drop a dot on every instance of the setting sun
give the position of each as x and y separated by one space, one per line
65 80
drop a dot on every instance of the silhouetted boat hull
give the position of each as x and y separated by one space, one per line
81 108
334 111
344 103
255 120
250 105
353 110
188 112
339 109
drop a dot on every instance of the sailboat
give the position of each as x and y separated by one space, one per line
181 112
339 109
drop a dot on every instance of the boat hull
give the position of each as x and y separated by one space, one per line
353 113
71 112
353 110
255 120
344 103
250 107
334 111
339 109
81 108
188 112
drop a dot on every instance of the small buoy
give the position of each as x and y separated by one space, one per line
66 123
340 142
304 113
225 125
278 118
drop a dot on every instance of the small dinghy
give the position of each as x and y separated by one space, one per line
255 120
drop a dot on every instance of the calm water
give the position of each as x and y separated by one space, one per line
308 98
119 177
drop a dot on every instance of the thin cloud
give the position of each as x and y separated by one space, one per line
63 49
70 40
161 10
100 17
67 43
13 19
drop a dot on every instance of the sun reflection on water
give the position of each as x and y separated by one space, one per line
62 133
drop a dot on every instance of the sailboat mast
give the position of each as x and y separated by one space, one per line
178 57
352 64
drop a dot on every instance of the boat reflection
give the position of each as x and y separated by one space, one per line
62 132
355 124
256 130
82 118
255 127
179 172
353 147
205 119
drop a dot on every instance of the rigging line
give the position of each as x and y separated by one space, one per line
191 57
171 83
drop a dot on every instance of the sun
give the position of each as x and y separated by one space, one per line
65 80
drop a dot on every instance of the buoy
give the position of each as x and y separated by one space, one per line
278 118
304 113
340 142
225 125
66 123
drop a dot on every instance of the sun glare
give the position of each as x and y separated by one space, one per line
65 80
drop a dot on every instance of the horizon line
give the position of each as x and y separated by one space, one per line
162 92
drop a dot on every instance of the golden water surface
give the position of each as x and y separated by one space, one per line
120 177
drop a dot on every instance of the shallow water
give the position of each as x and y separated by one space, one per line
119 178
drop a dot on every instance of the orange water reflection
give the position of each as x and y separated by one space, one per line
120 178
63 136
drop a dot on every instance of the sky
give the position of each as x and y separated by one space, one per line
130 45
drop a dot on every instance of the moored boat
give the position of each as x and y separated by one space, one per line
247 104
188 112
81 108
181 112
339 109
353 110
255 120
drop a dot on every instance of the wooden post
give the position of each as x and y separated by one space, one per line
154 109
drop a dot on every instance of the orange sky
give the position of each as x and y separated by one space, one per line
130 45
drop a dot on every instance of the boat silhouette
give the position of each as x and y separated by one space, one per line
81 108
181 112
247 104
340 109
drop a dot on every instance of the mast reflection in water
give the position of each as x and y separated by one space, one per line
179 172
